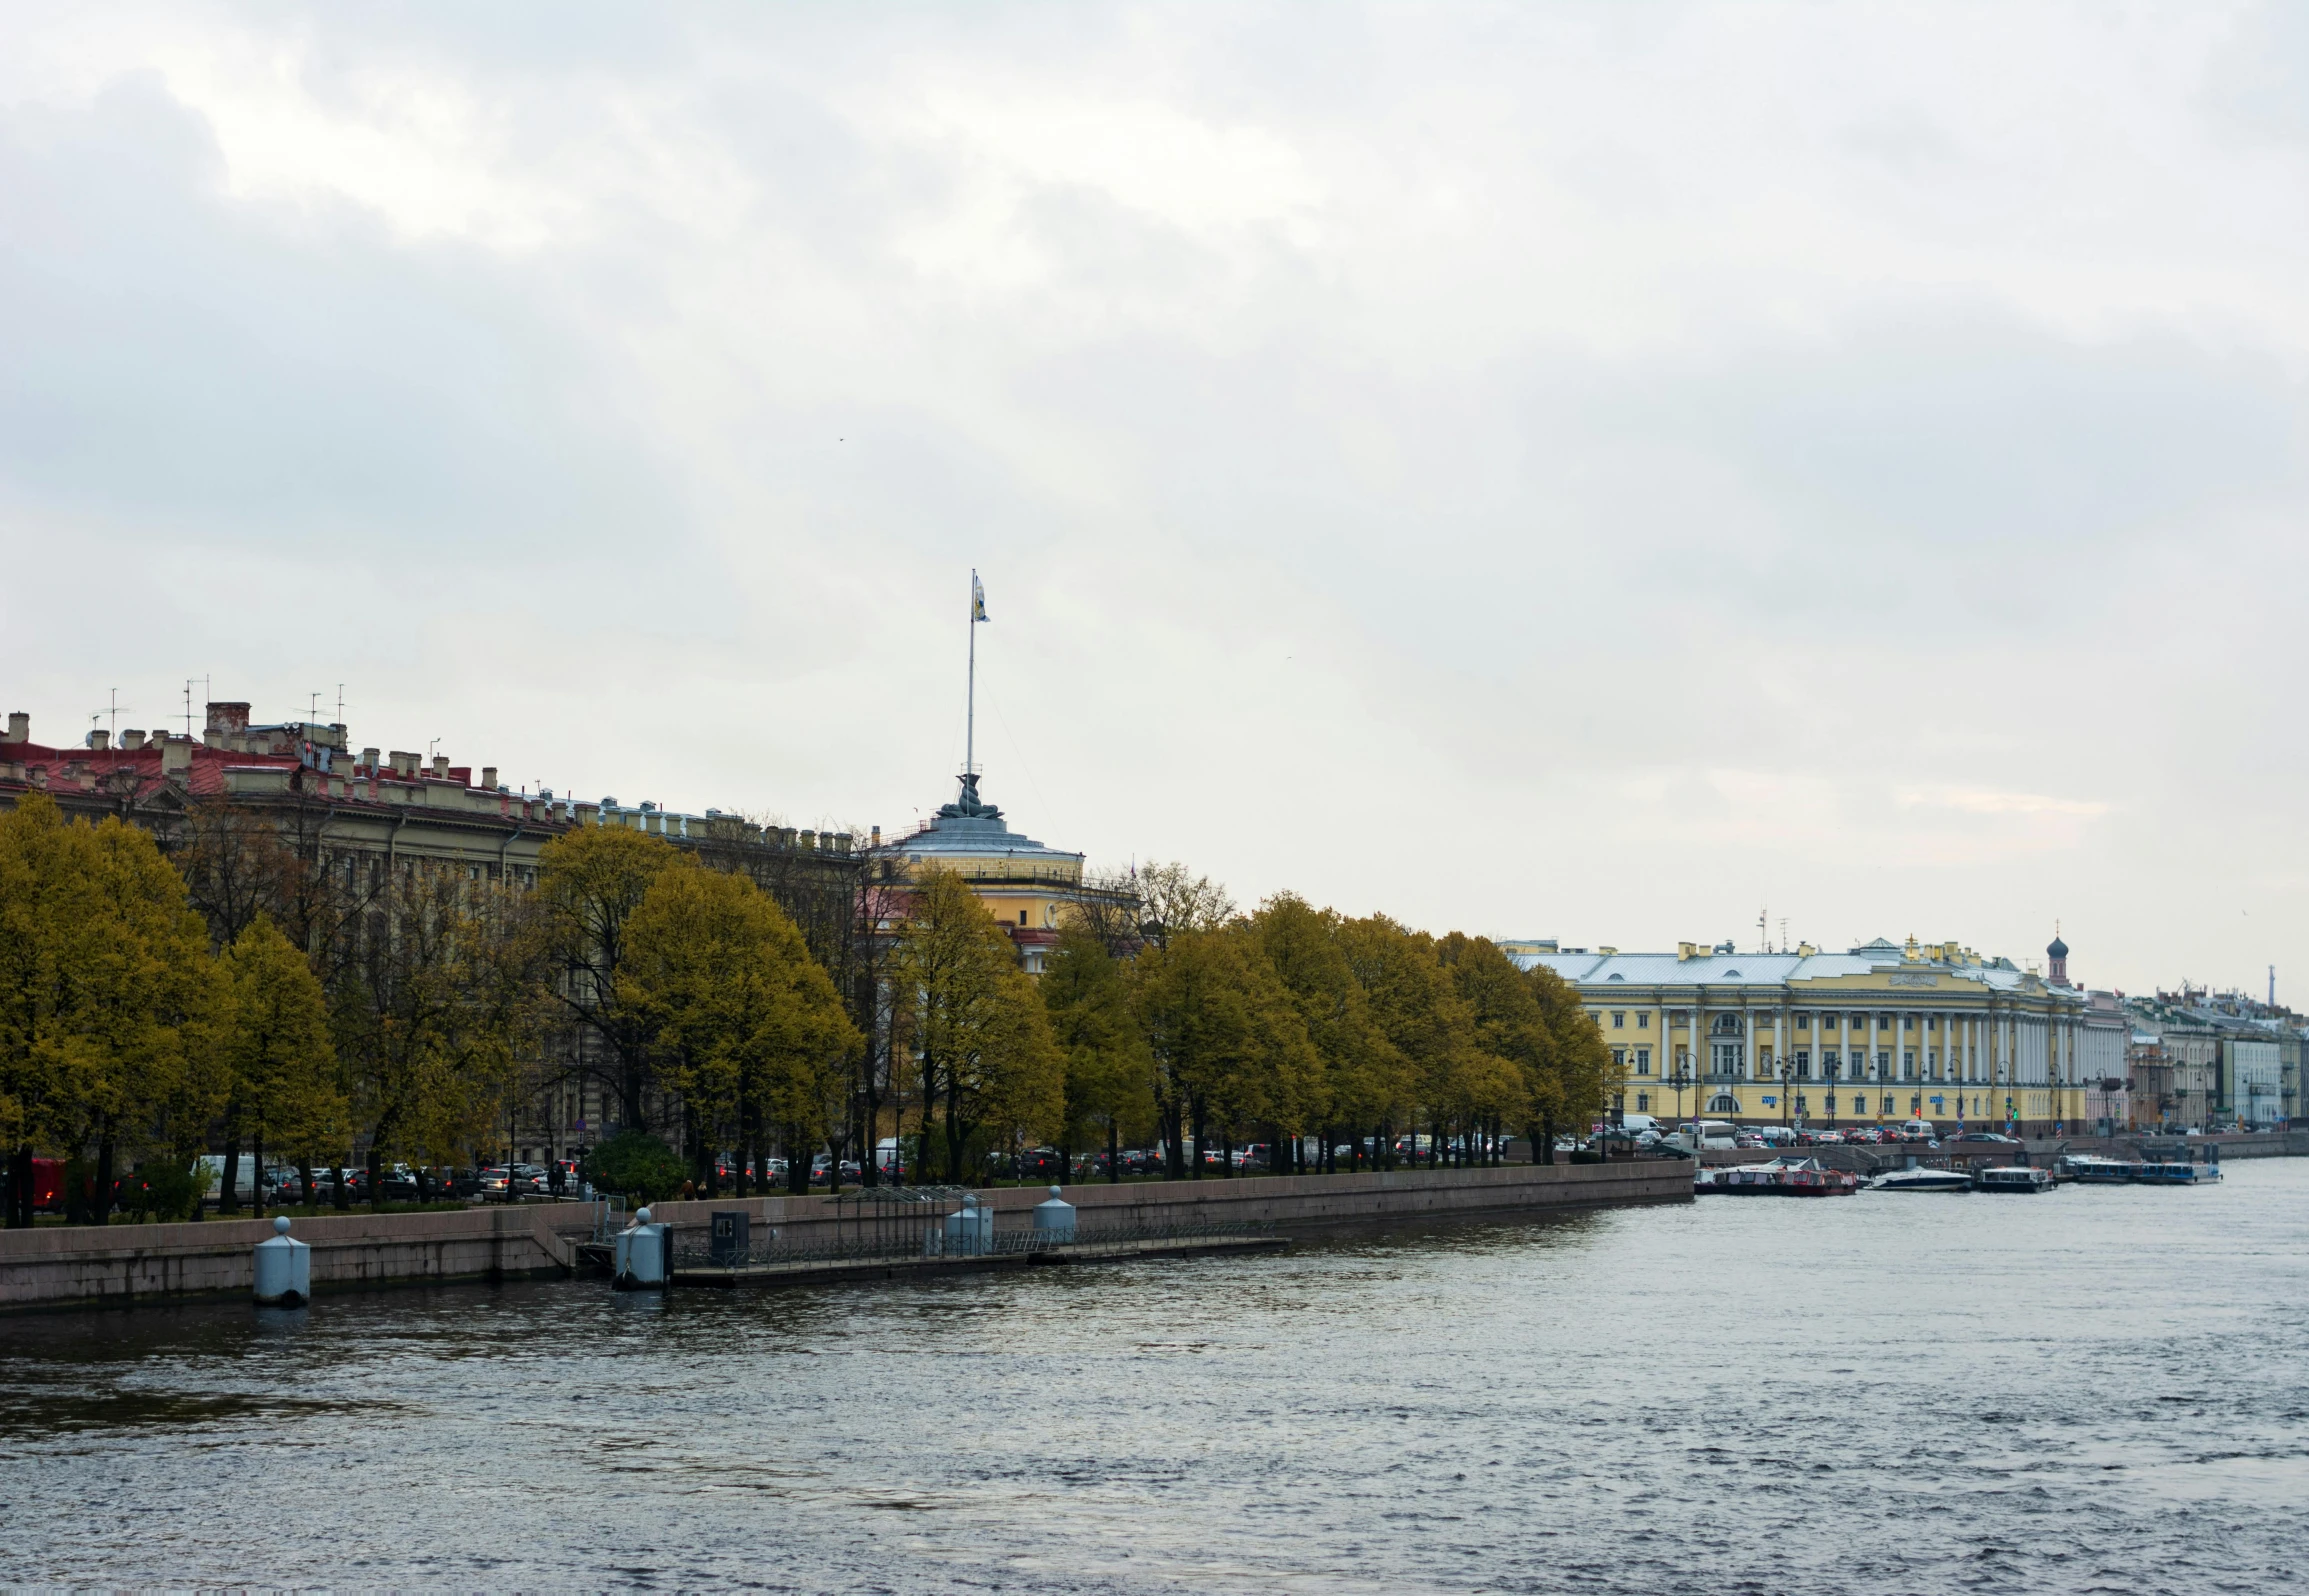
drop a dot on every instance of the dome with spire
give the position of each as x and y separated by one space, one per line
2058 949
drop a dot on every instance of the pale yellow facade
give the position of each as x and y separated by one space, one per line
1877 1036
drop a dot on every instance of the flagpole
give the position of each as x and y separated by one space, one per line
970 712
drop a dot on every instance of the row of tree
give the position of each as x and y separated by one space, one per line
122 1032
253 994
1294 1022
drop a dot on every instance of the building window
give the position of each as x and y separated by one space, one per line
1619 1019
1884 1066
1828 1064
1804 1022
1908 1065
1643 1061
1022 917
1619 1058
1643 1102
1827 1022
1803 1058
1727 1058
1908 1022
1643 1022
1888 1108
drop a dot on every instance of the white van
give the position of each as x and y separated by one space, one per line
1716 1135
1637 1124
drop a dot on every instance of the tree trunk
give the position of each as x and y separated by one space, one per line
257 1174
954 1133
339 1199
1543 1151
20 1188
100 1210
377 1178
228 1199
797 1163
1113 1153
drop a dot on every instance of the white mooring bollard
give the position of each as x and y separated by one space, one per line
642 1255
1054 1219
284 1269
969 1230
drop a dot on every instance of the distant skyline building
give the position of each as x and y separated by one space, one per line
1880 1034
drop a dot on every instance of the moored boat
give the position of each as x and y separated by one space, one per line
2175 1173
1785 1176
1921 1180
2012 1177
2091 1169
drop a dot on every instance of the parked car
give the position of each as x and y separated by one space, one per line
1986 1136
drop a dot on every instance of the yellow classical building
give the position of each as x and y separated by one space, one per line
1879 1035
1025 884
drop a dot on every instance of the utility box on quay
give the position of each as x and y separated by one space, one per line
731 1238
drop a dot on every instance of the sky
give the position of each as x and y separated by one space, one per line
1621 472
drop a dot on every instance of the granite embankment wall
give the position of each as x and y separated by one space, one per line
60 1266
76 1265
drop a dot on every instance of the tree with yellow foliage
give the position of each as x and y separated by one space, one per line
279 1058
740 1019
1109 1072
106 996
590 883
972 1024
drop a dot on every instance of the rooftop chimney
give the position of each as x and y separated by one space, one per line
441 767
132 740
489 777
100 739
19 727
226 719
369 758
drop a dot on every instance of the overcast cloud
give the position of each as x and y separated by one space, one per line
1595 471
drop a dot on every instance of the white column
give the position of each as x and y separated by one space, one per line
1700 1059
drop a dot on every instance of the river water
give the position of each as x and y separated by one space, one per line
2094 1390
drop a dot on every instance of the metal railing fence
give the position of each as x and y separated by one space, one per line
694 1250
